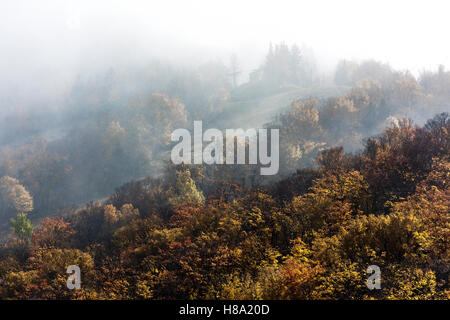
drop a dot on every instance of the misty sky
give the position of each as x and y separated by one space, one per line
62 38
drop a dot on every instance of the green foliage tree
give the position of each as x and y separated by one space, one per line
22 227
185 190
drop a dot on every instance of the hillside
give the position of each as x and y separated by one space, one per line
188 235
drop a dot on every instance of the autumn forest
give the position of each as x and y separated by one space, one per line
86 180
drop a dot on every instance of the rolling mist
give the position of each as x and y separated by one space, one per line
91 93
74 72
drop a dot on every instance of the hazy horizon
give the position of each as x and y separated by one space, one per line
66 38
